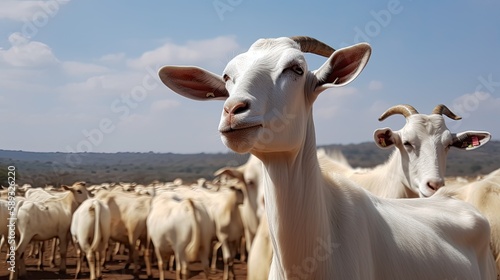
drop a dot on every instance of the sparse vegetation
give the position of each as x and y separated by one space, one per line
40 169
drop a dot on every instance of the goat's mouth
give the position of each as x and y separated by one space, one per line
240 139
425 193
230 131
422 195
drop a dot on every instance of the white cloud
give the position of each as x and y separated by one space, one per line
30 11
331 102
469 103
375 85
163 105
26 53
75 68
221 50
112 58
69 96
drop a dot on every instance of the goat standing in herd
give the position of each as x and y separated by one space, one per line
90 228
40 221
323 226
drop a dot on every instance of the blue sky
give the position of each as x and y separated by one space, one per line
81 75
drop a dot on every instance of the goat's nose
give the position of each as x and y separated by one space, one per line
236 108
435 184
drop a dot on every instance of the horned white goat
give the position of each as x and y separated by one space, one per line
324 226
416 168
418 164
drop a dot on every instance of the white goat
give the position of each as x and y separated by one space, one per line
80 192
324 226
173 229
5 221
128 221
249 174
418 164
485 195
417 167
223 211
90 229
261 253
40 221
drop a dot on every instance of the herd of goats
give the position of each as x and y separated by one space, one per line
292 211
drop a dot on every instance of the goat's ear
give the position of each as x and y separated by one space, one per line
470 140
193 82
233 172
342 67
385 137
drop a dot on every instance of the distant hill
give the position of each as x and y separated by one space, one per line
459 163
39 169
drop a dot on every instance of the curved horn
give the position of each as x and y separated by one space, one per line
443 110
405 110
311 45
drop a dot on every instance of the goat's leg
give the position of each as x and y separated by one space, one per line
243 248
147 259
215 250
228 257
109 251
177 267
2 241
100 257
133 257
63 250
203 255
92 264
20 270
41 250
171 263
52 259
161 267
182 259
79 260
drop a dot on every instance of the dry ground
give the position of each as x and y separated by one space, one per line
114 270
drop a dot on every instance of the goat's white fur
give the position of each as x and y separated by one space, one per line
323 226
90 229
43 220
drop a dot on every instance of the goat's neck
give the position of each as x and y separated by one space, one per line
69 202
387 180
295 205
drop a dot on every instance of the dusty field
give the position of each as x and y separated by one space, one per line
114 270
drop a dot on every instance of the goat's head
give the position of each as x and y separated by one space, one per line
423 143
79 190
269 90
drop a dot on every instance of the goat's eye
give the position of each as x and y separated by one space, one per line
225 77
408 144
297 69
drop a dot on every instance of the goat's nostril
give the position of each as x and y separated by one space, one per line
435 185
237 108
